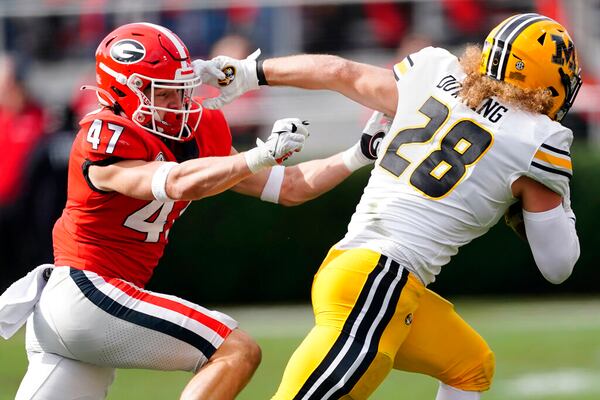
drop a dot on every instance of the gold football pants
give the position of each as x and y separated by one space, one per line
372 315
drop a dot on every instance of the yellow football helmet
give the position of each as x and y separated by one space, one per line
533 51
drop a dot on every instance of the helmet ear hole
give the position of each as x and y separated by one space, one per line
553 91
118 91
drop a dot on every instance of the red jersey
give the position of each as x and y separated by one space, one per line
111 234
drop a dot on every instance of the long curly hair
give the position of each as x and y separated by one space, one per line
477 87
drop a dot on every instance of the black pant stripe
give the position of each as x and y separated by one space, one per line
369 318
157 324
376 288
346 329
376 338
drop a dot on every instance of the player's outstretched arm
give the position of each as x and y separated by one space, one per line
550 229
295 185
202 177
371 86
290 186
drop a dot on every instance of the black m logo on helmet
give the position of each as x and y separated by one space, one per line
127 51
564 54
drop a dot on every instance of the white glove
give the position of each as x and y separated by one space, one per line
207 70
367 149
287 136
232 77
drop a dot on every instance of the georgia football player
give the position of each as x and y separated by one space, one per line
135 165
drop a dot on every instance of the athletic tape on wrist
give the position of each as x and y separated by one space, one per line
272 188
159 182
258 158
354 158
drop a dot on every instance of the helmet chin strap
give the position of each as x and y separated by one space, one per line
97 89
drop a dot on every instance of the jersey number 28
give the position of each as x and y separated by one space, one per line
463 144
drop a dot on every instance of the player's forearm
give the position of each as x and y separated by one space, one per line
368 85
190 180
204 177
307 71
311 179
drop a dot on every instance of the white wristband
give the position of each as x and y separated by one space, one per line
354 158
272 188
159 182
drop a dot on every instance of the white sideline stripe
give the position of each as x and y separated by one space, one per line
516 315
150 309
552 383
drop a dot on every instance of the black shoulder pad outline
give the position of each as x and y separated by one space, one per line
102 163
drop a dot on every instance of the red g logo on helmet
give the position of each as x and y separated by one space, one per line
127 51
128 84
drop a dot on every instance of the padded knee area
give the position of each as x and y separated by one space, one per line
478 374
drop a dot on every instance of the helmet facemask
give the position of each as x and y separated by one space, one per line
173 123
571 84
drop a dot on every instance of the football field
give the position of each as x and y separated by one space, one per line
545 349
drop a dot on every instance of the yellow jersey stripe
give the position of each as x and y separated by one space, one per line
550 159
401 67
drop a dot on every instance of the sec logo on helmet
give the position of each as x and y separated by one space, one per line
127 51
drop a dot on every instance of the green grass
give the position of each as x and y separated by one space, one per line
545 349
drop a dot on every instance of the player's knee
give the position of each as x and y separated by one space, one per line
484 370
252 354
241 347
488 366
478 374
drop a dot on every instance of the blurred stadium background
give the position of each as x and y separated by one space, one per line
257 259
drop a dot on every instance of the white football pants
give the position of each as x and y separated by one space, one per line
85 325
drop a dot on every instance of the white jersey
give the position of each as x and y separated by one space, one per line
444 172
